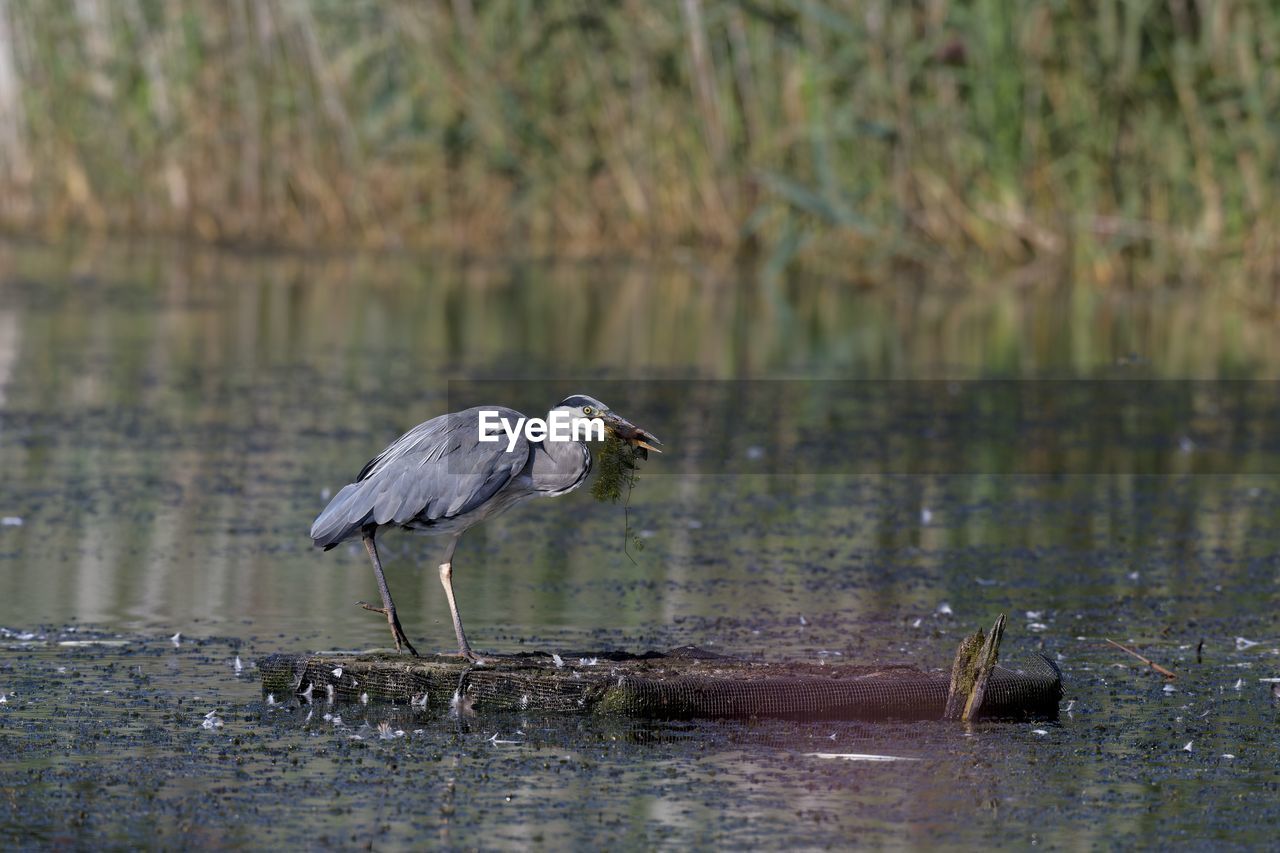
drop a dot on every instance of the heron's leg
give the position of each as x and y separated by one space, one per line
388 608
446 580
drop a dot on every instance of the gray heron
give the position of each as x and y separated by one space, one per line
446 475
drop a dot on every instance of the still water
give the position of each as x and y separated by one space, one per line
172 419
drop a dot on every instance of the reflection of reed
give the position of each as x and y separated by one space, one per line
171 417
9 344
672 320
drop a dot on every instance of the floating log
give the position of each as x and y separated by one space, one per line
684 683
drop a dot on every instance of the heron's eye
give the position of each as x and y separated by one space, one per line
587 410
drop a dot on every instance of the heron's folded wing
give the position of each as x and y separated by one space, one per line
439 469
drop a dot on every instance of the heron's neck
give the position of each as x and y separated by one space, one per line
566 454
558 467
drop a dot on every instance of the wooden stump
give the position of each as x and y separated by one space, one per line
976 659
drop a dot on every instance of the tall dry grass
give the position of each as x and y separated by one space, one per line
1129 138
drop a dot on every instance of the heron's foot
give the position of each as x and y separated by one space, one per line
397 632
466 652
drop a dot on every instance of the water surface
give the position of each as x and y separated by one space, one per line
171 420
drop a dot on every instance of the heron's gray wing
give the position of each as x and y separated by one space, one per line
437 470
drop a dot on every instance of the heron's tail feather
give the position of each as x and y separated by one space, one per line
344 517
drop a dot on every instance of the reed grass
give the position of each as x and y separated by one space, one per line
1131 139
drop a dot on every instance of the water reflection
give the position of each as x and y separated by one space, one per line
170 421
173 418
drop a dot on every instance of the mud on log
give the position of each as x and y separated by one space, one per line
685 683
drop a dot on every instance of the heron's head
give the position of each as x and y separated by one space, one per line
582 406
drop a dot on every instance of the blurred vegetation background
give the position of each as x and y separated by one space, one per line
1125 140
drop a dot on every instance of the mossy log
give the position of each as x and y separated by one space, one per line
683 684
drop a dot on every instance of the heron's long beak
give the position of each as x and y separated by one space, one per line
628 431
